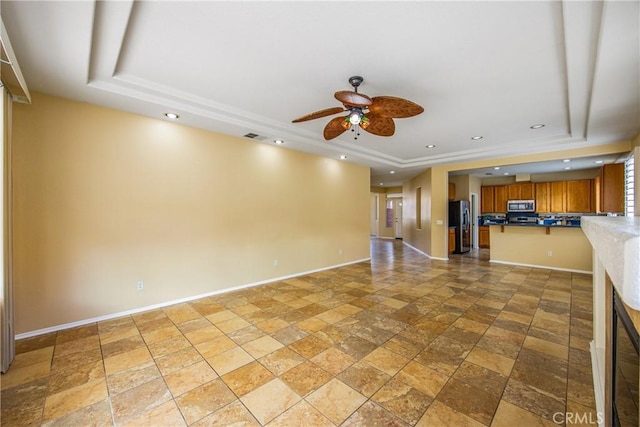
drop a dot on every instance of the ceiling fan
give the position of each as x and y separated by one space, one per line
374 115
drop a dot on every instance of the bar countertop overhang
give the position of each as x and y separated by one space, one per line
616 241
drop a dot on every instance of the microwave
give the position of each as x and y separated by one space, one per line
521 206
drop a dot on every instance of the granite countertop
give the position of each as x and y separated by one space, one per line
526 224
616 241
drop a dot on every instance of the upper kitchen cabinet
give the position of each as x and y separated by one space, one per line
520 191
558 199
494 199
543 197
611 195
500 198
487 202
579 196
452 191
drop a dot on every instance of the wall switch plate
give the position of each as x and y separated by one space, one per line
140 286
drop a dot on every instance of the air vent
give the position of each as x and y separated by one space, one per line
252 135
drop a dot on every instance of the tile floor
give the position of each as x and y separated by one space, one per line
400 341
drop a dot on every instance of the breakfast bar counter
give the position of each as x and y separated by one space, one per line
557 247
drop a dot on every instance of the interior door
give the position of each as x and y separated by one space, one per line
398 218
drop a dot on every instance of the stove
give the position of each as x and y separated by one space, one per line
522 218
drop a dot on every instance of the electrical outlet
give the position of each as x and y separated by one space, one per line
549 253
275 262
140 285
339 251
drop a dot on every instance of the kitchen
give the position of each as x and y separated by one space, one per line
534 219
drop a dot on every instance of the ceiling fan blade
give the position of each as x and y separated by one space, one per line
355 99
334 128
391 106
318 114
379 125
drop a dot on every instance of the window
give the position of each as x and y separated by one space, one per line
629 187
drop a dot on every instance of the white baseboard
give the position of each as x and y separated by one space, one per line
173 302
540 266
424 253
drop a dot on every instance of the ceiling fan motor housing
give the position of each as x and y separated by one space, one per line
355 81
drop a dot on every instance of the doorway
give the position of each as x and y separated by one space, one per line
394 214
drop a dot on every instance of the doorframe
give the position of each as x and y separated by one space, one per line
474 220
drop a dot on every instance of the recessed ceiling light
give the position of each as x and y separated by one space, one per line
538 126
496 168
343 157
566 161
382 183
567 168
171 116
506 173
599 161
475 138
278 141
392 172
431 146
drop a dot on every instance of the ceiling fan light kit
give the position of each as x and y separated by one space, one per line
374 115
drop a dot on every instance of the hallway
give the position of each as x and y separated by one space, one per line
400 341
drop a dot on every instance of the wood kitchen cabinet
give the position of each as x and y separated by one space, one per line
513 192
520 191
483 236
558 199
500 198
612 188
595 194
452 191
487 203
494 199
527 191
543 197
578 194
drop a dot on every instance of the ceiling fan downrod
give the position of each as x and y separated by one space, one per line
355 81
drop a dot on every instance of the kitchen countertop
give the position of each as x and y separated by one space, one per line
616 242
535 225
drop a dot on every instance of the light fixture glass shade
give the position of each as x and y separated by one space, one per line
354 117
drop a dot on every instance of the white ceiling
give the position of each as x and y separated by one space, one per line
478 68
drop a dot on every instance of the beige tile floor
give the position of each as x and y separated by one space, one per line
402 340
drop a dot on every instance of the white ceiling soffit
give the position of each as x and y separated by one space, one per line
10 73
479 68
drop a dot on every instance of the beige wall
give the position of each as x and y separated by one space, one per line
569 247
419 238
104 199
465 185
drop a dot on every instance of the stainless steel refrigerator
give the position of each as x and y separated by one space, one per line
460 218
